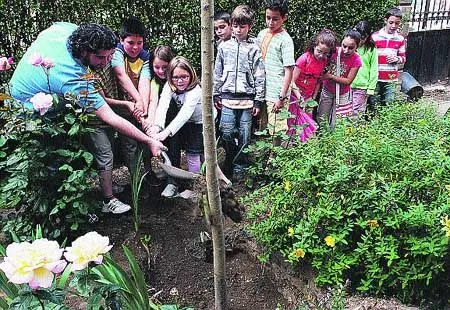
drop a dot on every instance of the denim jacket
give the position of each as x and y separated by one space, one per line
239 71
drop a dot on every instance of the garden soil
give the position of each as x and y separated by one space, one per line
175 253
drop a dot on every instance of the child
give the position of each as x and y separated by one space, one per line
277 49
178 119
391 49
238 87
222 27
344 65
365 81
305 80
161 57
130 65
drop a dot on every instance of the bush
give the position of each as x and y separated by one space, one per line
45 170
367 202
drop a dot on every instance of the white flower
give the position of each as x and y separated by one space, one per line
42 102
87 248
33 263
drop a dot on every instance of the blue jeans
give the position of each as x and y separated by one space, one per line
236 123
385 93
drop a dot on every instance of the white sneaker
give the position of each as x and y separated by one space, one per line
170 191
115 206
188 194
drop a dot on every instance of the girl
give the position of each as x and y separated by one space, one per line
344 65
178 118
307 72
160 58
365 81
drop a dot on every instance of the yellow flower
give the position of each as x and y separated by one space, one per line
287 186
298 253
372 223
290 231
446 222
330 241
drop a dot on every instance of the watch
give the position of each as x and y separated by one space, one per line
282 98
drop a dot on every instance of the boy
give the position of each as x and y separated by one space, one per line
239 86
130 65
277 50
391 49
222 27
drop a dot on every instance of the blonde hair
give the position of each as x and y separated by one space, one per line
183 63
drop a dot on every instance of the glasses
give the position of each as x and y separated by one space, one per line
180 78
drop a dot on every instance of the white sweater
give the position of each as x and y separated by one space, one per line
190 111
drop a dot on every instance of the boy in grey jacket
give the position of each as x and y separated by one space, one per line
239 87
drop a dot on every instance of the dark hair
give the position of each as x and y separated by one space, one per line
91 38
351 33
393 12
222 15
365 30
325 36
164 53
132 26
242 15
277 5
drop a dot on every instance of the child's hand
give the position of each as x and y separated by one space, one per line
255 111
277 106
218 104
161 136
327 76
392 59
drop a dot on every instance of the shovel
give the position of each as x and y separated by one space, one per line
175 172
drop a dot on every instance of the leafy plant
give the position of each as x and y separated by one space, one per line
137 177
368 202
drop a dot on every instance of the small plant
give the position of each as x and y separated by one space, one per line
137 177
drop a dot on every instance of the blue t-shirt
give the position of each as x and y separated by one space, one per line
65 76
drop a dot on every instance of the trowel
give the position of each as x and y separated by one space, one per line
175 172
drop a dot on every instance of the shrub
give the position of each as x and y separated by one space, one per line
367 202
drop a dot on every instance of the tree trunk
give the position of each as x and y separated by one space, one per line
215 204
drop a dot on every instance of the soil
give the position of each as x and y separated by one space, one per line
178 264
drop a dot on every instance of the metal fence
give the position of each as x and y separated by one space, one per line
429 15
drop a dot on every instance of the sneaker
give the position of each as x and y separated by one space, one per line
115 206
188 194
170 191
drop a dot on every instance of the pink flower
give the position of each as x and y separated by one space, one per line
4 64
36 59
42 102
10 60
47 63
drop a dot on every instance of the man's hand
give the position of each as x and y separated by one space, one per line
255 111
156 147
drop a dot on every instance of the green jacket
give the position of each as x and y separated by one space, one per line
368 74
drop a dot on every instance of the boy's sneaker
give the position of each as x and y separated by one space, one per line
170 191
115 206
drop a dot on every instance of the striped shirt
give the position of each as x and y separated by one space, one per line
280 54
389 44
